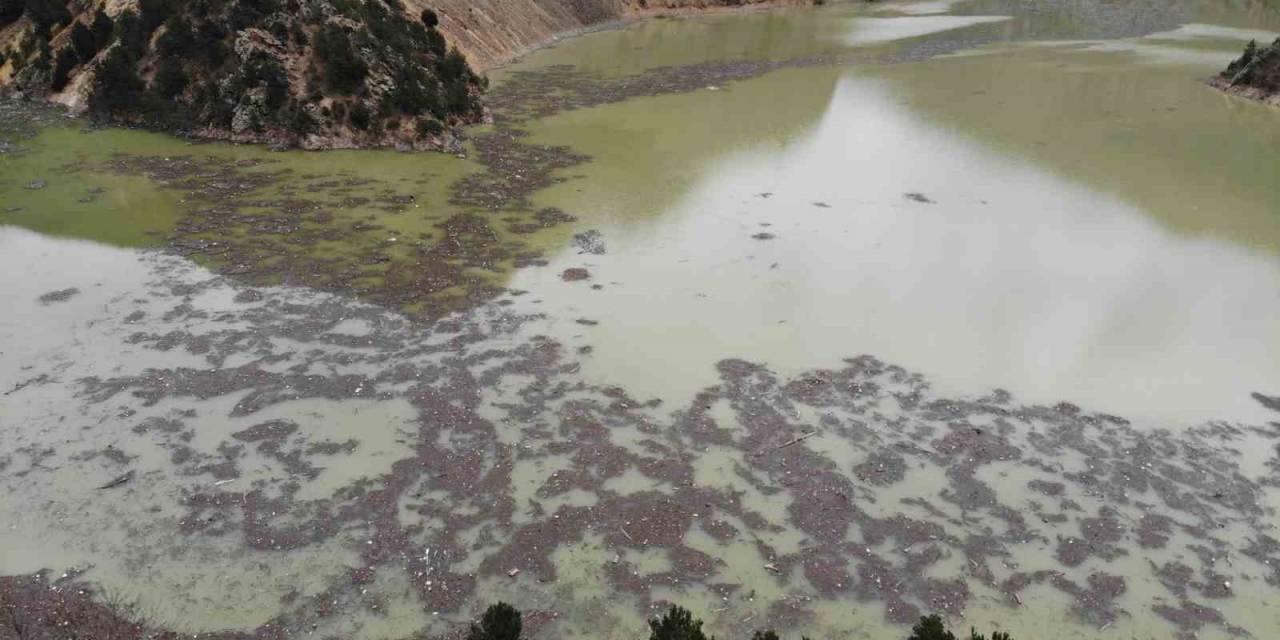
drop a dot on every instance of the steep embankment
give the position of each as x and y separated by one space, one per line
491 32
1256 74
318 73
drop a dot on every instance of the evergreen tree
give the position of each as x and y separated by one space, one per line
63 65
84 42
676 624
499 622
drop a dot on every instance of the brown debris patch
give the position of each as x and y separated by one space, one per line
61 295
1095 603
881 468
1099 538
1154 530
1190 617
514 170
575 274
233 226
1051 489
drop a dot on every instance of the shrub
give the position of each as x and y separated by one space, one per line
171 80
44 55
457 97
102 28
46 13
360 116
499 622
177 39
154 13
676 624
298 35
429 127
84 42
436 43
116 85
930 628
502 622
344 72
128 30
453 66
246 13
995 635
62 67
11 10
213 49
413 93
430 18
299 122
264 71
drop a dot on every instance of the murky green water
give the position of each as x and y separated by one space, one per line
359 395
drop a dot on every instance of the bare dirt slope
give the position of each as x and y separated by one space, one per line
491 32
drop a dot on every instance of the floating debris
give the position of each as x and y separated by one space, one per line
127 477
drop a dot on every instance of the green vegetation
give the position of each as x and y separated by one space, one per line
62 66
503 622
676 624
45 14
11 10
84 42
344 72
499 622
171 80
103 28
932 628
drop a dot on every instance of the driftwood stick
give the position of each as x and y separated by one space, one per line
797 439
118 481
789 442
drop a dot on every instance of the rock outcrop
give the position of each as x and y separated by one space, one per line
1255 74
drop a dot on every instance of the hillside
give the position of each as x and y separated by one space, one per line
311 73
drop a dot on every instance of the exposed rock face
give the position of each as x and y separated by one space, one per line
491 32
315 73
1256 74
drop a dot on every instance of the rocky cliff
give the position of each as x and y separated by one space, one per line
1255 74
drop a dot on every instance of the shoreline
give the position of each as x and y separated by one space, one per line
1244 91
